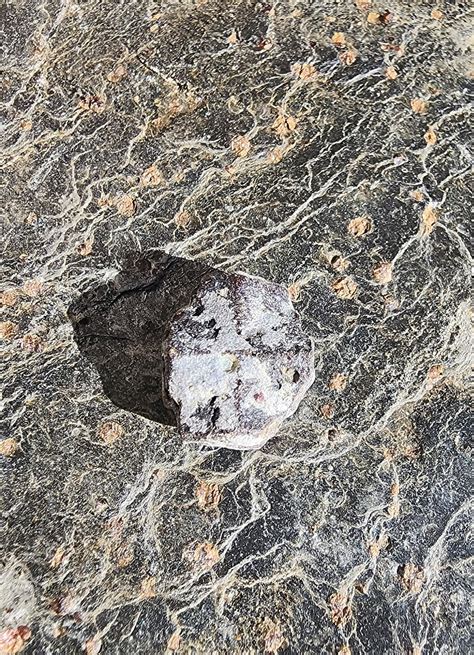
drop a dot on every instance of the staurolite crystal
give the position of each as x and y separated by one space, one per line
222 356
237 362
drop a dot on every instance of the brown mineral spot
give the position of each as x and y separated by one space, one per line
151 177
93 646
340 608
124 555
344 287
339 39
125 206
208 496
8 298
429 218
393 509
33 288
117 74
338 262
391 73
411 577
13 640
363 4
418 105
273 637
240 145
284 125
26 124
359 226
9 447
338 382
327 410
275 155
430 136
110 431
174 641
376 18
394 489
376 547
294 291
435 372
344 650
7 330
32 343
304 71
348 57
183 219
232 38
93 103
58 556
85 248
437 14
382 273
205 555
31 218
58 631
148 587
417 195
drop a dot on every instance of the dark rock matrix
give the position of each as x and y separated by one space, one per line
325 147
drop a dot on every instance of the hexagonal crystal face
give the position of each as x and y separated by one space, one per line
237 362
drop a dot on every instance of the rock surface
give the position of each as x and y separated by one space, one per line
237 362
304 142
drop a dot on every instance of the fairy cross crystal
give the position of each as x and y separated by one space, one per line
222 356
237 362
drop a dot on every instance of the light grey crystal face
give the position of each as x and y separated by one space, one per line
237 362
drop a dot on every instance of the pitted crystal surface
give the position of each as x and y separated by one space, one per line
237 362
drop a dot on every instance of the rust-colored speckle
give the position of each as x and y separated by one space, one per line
327 410
33 288
110 432
208 496
429 218
435 372
363 4
183 219
348 57
382 273
338 382
359 226
125 206
419 106
151 177
340 608
174 641
437 14
32 343
8 330
13 640
241 145
117 74
344 287
58 557
411 577
273 636
417 195
93 103
85 248
379 18
339 39
304 71
205 555
148 587
391 73
284 125
9 447
93 646
430 136
8 298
